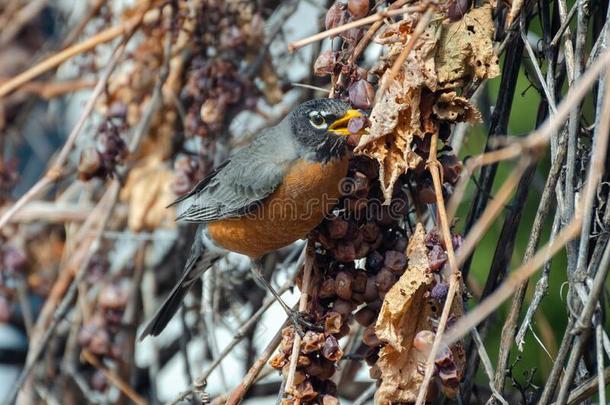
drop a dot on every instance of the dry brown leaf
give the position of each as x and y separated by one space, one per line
148 193
445 56
394 122
451 107
395 119
465 49
406 311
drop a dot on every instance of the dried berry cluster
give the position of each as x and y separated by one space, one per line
351 82
100 334
187 172
99 331
362 253
101 160
214 90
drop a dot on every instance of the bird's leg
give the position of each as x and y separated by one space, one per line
297 318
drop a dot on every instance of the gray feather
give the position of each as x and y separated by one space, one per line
251 175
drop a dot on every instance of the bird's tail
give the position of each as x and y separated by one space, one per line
199 261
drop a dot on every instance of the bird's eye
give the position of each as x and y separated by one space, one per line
317 120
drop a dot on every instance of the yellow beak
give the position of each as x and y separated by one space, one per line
339 127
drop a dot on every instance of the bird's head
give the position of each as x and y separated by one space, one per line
321 125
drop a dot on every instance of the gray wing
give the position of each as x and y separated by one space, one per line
240 184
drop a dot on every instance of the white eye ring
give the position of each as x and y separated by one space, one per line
317 120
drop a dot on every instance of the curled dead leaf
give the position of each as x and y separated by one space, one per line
451 107
405 313
148 193
394 123
465 49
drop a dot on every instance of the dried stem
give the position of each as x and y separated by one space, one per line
453 273
303 301
126 29
114 378
379 16
406 50
239 392
56 171
506 289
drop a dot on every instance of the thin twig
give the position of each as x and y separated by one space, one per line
80 261
125 28
587 389
114 378
366 395
239 392
506 289
487 366
238 336
380 15
303 301
564 26
57 171
452 273
406 50
599 350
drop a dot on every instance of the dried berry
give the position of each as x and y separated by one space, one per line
90 164
365 316
327 289
113 296
343 285
374 261
370 232
370 292
278 361
321 368
99 381
331 349
100 342
312 342
371 356
345 252
426 193
358 8
361 94
329 400
385 280
337 228
437 257
395 261
401 244
423 340
305 392
335 15
333 322
187 172
369 337
375 372
324 64
452 168
356 125
439 291
359 283
343 307
456 9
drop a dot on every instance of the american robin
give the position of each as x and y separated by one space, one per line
266 196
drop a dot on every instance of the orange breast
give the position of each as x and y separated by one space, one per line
307 194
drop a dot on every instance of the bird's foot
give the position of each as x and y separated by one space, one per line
302 324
